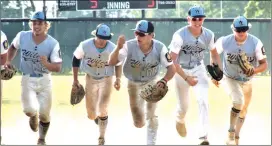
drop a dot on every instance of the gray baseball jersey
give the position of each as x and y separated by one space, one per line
139 67
31 52
253 48
191 49
4 45
93 62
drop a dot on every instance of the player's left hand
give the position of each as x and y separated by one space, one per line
43 60
117 84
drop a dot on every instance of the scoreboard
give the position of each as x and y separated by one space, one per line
74 5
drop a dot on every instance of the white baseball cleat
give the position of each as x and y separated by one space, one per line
231 139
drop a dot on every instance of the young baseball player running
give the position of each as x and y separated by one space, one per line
93 54
40 55
4 50
243 56
187 51
143 56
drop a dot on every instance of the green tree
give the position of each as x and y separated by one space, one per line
258 9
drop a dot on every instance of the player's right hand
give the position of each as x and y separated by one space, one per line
121 41
8 64
192 80
216 83
75 83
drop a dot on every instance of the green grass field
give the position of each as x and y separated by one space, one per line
69 124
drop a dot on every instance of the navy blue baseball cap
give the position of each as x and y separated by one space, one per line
196 12
103 32
39 15
240 23
144 26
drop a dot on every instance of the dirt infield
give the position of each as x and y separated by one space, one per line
70 125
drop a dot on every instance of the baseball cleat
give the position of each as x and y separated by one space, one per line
181 129
41 142
96 120
34 123
101 141
204 141
231 139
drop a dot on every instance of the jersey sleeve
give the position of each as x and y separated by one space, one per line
176 43
79 53
219 45
16 41
56 54
165 57
4 43
123 53
260 51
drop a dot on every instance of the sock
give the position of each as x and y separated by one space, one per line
43 128
239 125
234 114
102 123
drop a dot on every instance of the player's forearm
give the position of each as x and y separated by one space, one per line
54 67
171 70
215 58
75 73
118 71
114 56
3 59
180 71
261 68
11 53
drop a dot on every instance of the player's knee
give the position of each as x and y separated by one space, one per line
92 116
139 124
237 106
30 112
44 118
243 113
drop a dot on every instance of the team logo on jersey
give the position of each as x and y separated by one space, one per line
263 51
5 44
168 57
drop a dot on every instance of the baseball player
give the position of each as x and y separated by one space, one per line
187 51
93 54
4 50
239 84
142 57
40 54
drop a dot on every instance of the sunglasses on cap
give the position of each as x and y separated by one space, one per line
197 19
141 34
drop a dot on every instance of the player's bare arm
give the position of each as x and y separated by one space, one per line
118 73
189 79
11 54
215 58
54 67
114 55
75 64
3 59
262 66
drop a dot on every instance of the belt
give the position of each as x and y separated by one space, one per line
34 75
98 78
191 67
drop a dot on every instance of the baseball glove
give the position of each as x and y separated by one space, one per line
244 64
8 72
153 93
77 94
215 72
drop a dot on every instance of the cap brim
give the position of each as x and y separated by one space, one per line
35 19
102 37
199 16
241 28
